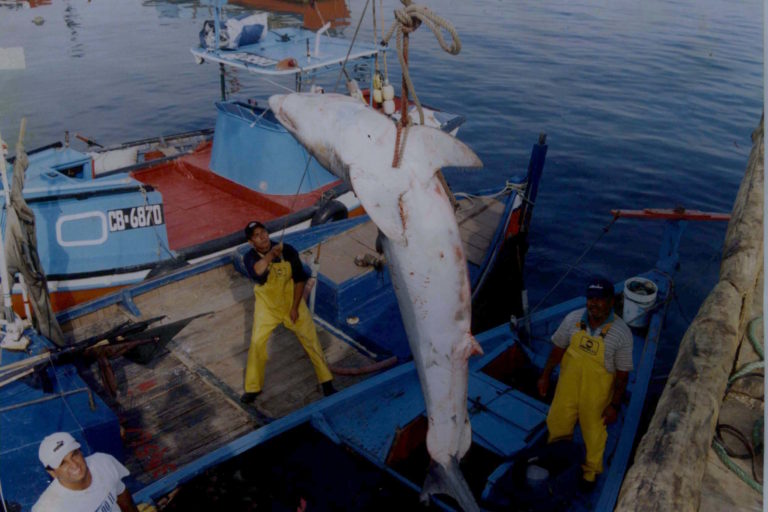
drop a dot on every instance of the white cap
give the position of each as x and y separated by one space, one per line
55 447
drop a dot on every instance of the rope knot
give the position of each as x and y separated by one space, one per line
408 19
408 23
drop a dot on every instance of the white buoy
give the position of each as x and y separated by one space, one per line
388 92
389 107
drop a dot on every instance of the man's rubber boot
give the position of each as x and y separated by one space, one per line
328 388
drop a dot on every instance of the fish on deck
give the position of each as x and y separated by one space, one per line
423 250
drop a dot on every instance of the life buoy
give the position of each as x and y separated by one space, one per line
330 211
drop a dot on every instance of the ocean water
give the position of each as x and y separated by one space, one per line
645 104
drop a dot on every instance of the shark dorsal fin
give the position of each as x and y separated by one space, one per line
434 149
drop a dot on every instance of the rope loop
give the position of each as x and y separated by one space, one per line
407 20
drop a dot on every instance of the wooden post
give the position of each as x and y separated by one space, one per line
671 459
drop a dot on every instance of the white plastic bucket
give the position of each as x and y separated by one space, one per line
536 476
639 298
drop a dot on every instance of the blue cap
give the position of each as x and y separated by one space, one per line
599 287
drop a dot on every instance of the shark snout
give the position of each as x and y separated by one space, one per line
276 102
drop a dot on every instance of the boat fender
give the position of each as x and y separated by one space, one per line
167 266
330 211
388 94
238 261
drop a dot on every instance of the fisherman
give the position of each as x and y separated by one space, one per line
81 483
280 278
595 347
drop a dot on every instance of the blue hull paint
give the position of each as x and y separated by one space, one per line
363 418
70 406
271 162
80 237
366 417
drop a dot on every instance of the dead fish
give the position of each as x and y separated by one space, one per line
422 247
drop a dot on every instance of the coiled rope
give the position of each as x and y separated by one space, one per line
755 445
407 20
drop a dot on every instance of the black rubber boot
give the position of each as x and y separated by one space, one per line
248 398
328 388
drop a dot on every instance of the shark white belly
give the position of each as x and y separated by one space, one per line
423 249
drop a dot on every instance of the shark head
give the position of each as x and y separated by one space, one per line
341 131
357 144
316 121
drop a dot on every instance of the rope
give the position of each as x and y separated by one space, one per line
748 368
407 20
757 434
2 497
507 188
401 136
753 336
61 393
295 197
574 265
160 244
721 452
351 43
364 370
281 86
383 54
757 429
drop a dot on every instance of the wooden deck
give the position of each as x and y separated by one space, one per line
218 206
185 403
478 218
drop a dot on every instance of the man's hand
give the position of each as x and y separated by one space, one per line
610 414
543 384
294 314
276 250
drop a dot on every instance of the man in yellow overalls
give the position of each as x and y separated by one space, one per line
279 289
595 347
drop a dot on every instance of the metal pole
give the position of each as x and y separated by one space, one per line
223 81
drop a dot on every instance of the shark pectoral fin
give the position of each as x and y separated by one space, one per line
476 349
450 481
382 205
436 149
470 347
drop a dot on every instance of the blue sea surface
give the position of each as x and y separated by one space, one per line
645 104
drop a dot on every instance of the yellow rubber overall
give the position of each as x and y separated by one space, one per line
273 306
583 392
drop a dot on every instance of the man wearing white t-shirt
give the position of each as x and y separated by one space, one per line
87 484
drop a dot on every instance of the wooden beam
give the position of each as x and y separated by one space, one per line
671 459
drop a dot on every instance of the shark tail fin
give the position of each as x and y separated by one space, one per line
448 480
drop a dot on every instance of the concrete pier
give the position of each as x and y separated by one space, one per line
675 467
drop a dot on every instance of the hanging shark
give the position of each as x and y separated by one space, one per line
423 250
